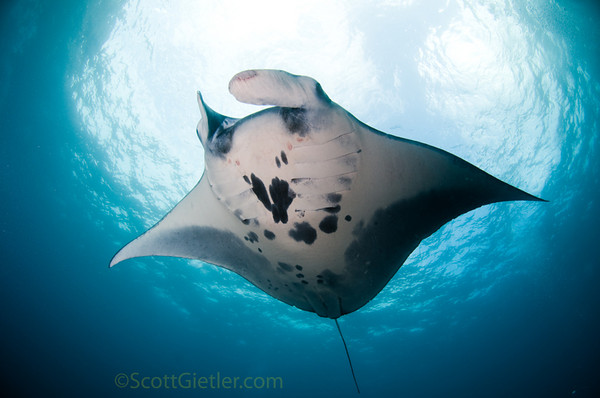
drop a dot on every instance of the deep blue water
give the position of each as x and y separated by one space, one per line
98 115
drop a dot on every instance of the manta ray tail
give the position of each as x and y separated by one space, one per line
347 354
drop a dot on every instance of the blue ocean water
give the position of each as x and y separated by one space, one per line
97 105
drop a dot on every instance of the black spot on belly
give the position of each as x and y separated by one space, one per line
295 120
304 281
280 193
246 221
347 181
277 162
348 218
284 157
332 209
269 235
299 267
285 266
334 197
252 237
299 276
329 224
303 232
259 189
282 197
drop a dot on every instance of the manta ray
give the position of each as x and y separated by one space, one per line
309 204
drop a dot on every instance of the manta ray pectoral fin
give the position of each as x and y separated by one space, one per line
428 185
196 228
413 189
276 87
158 241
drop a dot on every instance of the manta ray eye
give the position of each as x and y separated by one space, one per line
228 122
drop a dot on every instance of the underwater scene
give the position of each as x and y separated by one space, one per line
350 262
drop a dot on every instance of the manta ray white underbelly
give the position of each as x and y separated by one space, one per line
309 204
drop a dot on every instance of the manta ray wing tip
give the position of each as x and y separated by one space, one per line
113 261
532 198
118 257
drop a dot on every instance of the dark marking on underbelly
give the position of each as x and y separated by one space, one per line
282 197
252 237
279 192
303 232
259 189
347 181
329 224
284 266
295 120
332 209
334 197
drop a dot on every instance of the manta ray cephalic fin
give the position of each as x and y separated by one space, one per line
276 87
